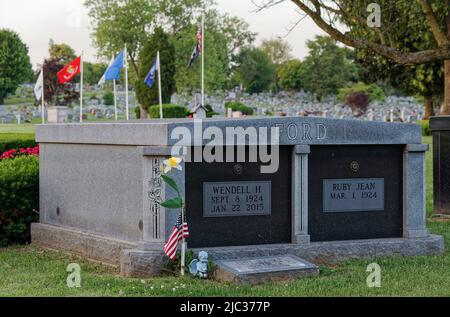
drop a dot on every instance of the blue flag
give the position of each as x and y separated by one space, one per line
151 77
113 71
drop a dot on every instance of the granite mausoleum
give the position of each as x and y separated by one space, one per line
342 189
441 163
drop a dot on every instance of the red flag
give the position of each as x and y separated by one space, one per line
69 71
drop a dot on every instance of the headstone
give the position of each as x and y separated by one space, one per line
358 194
264 269
338 189
236 114
58 114
199 112
440 127
237 195
370 116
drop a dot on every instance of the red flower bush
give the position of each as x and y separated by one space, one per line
22 152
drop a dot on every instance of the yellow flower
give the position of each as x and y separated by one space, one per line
170 164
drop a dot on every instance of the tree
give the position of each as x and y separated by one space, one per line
61 52
328 67
146 96
398 20
289 74
255 70
93 72
178 15
54 92
236 31
426 80
217 61
108 98
128 22
15 65
278 50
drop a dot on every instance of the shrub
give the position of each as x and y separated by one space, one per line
21 152
9 141
237 106
19 198
425 127
358 102
108 98
210 111
169 111
374 92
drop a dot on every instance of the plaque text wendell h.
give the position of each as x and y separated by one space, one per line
224 199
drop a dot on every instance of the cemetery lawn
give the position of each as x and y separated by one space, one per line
29 271
16 129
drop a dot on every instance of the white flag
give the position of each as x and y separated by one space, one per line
103 79
39 87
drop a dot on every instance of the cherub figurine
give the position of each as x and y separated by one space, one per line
199 267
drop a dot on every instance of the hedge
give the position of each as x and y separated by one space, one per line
169 111
374 92
19 198
9 141
425 127
237 106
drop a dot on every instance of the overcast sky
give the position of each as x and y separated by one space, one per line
66 21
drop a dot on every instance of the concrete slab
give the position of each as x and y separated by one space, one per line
264 269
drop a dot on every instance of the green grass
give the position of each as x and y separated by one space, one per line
17 129
28 271
17 101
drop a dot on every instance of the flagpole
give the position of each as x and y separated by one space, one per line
159 87
81 87
183 243
126 85
203 60
115 93
43 96
115 100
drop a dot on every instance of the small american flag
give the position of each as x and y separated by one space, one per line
198 48
179 232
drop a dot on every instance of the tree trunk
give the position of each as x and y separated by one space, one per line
446 106
429 110
144 113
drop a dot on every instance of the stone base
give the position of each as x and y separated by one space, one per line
337 251
138 263
88 245
135 262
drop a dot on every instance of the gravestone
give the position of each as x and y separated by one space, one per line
356 192
237 205
340 189
264 269
58 114
441 163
